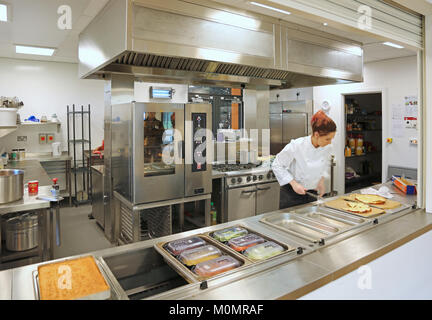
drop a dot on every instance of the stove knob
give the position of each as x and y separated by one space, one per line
254 178
261 177
233 180
239 180
249 178
269 175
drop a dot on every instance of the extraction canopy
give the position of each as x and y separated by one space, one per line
206 42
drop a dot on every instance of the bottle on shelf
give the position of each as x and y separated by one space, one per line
347 151
213 215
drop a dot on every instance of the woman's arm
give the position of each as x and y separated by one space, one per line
281 166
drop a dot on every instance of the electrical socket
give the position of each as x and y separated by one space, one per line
22 138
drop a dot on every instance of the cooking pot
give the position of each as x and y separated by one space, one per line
22 232
11 185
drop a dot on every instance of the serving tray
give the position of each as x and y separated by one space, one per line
187 272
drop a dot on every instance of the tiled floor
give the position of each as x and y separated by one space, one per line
79 234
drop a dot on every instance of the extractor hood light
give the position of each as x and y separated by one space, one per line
35 50
3 12
268 7
394 45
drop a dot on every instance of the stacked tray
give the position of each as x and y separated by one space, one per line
200 257
250 244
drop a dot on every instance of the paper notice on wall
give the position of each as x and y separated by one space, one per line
411 107
398 120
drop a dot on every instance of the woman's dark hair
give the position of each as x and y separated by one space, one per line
322 124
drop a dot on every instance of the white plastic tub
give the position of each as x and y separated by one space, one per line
8 117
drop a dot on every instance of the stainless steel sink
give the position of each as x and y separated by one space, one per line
308 229
329 217
143 273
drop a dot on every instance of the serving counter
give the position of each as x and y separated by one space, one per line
138 271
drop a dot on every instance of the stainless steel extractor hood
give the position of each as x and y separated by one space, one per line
205 42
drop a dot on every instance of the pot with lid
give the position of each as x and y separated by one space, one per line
22 232
11 185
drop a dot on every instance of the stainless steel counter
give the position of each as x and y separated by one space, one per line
284 277
32 171
27 203
47 156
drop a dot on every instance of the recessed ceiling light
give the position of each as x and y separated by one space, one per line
35 50
394 45
325 24
3 12
268 7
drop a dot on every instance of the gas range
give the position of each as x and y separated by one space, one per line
240 175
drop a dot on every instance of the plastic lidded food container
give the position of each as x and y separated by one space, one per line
192 257
244 242
229 233
216 266
263 251
178 246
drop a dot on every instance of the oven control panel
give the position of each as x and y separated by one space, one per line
250 179
199 125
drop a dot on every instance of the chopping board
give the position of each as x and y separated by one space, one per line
388 205
340 203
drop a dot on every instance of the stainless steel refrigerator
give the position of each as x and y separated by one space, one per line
288 120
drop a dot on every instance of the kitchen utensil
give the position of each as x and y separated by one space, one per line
319 198
22 232
11 185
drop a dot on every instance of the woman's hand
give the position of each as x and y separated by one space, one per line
298 188
321 187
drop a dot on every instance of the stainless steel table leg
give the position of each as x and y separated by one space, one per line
51 234
40 235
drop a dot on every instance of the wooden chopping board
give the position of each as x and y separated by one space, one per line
388 205
340 203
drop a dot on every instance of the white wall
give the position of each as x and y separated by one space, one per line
403 273
47 88
396 78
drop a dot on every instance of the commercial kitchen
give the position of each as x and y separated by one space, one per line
138 141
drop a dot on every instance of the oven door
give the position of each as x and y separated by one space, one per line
158 165
241 203
268 195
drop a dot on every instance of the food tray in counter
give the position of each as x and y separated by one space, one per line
203 262
295 224
244 239
71 279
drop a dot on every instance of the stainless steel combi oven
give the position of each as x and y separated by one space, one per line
159 151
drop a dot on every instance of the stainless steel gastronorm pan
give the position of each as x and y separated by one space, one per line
330 217
307 229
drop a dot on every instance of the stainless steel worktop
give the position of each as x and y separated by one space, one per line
287 276
47 156
27 203
33 170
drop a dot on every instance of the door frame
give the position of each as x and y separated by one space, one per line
385 126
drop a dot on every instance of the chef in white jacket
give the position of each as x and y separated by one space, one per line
304 163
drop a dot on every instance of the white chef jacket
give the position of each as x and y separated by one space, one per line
301 161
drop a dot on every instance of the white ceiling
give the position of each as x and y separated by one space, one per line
34 22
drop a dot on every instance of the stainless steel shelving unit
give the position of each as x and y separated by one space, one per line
81 168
